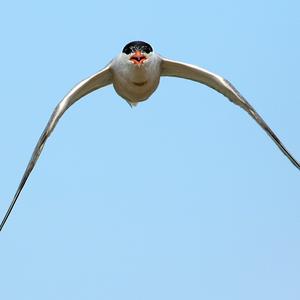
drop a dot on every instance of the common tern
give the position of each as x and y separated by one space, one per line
135 75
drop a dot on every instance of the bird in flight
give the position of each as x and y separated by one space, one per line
135 75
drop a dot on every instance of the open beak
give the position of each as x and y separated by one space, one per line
138 58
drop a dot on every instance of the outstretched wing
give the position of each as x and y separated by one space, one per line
179 69
85 87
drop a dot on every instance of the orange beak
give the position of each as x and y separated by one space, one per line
138 58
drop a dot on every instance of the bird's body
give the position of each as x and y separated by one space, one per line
135 82
135 75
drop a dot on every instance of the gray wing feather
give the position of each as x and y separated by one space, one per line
223 86
85 87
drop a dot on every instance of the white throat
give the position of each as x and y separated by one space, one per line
136 82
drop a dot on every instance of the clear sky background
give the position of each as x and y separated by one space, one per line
183 197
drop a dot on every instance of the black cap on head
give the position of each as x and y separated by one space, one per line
137 45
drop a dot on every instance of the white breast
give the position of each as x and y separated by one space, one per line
135 82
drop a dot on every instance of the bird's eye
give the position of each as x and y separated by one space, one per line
147 49
127 50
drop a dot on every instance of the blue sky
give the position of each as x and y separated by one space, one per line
183 197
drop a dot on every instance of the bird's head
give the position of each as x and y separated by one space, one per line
138 52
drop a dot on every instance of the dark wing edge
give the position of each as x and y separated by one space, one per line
223 86
94 82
